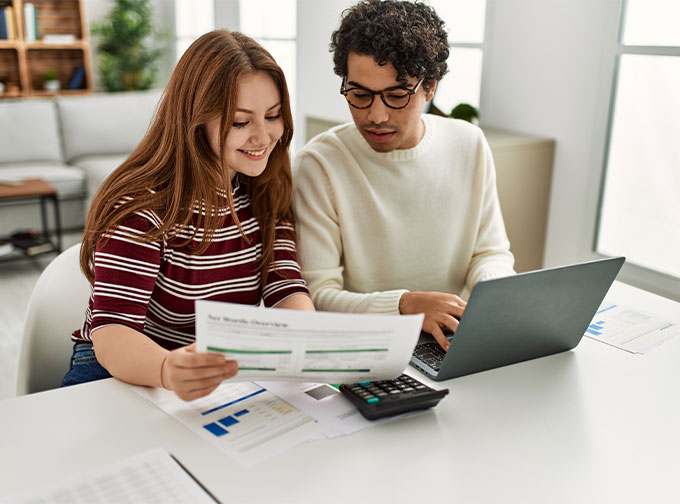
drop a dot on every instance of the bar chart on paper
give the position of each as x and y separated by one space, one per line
630 329
242 419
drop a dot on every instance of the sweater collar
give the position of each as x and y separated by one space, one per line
235 186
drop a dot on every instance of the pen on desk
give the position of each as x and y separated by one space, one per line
195 479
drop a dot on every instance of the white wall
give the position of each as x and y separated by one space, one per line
318 88
548 71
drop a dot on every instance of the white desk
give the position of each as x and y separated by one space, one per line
596 424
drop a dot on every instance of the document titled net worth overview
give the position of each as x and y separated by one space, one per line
279 344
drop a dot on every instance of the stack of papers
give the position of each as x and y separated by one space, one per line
293 355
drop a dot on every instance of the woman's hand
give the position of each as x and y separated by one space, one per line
192 375
441 310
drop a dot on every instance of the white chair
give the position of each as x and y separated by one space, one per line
56 308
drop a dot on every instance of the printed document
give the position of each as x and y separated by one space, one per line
279 344
630 329
247 422
328 406
152 476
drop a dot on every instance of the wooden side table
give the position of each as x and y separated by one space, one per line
35 190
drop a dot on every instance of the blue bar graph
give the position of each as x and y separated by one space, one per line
596 328
228 421
607 308
233 402
215 429
242 412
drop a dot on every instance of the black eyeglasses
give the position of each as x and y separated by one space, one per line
396 97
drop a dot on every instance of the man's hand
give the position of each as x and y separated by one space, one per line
192 375
441 310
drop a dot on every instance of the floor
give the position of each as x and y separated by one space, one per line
17 279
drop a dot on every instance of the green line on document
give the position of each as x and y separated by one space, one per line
231 350
357 350
336 370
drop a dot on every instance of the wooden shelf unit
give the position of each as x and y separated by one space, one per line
23 63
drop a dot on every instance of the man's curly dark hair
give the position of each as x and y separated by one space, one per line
409 35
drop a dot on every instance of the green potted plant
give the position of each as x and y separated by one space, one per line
50 81
127 46
466 112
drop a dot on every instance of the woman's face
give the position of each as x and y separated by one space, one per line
257 126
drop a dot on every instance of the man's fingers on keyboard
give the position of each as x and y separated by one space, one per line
441 339
452 323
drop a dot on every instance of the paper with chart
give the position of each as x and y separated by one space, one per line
630 329
277 344
326 404
152 476
247 422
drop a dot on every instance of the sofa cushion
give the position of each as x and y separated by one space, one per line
67 180
97 168
29 131
105 123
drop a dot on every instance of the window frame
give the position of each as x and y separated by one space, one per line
482 46
646 278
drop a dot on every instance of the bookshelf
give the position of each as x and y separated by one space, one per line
61 45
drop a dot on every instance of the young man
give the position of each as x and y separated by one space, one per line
397 212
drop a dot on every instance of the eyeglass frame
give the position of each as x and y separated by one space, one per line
410 92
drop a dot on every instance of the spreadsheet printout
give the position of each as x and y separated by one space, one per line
151 476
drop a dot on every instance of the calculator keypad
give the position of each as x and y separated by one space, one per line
389 397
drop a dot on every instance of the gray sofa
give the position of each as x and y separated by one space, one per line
72 142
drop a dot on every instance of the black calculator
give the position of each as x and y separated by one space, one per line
391 397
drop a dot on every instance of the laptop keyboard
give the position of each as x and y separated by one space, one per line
431 354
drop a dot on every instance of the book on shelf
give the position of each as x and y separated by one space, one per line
30 242
39 247
7 28
77 78
59 38
6 247
31 22
6 23
3 25
9 19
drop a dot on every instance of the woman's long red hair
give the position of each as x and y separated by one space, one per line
174 168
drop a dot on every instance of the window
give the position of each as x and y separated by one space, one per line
193 18
640 207
273 24
465 21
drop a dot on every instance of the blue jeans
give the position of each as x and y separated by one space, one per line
84 366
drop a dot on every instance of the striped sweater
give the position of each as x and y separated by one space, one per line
151 287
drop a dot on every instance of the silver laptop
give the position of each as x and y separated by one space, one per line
520 317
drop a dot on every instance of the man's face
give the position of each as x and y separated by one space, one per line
385 129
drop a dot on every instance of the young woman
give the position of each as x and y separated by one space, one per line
200 210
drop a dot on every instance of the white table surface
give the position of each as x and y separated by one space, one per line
596 424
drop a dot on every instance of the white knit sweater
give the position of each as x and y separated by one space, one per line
372 225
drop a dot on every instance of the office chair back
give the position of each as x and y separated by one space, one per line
56 308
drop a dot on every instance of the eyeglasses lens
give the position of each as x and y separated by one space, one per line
392 98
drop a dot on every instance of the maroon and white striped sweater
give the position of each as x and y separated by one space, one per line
151 287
